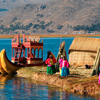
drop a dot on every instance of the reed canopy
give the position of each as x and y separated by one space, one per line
83 51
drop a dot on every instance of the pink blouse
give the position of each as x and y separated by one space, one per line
63 63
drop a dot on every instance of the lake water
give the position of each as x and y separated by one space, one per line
18 88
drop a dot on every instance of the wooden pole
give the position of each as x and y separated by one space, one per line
95 70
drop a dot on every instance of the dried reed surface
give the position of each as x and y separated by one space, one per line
77 58
76 83
83 51
85 44
54 35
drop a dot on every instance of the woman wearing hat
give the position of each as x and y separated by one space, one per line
50 65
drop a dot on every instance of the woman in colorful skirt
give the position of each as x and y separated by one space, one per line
99 75
50 65
64 67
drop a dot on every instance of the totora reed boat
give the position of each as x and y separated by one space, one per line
6 66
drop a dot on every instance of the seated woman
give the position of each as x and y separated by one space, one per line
50 65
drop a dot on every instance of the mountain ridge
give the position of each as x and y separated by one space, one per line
11 4
56 16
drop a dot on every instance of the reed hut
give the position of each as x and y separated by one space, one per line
83 51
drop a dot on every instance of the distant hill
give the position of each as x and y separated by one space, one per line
10 4
56 16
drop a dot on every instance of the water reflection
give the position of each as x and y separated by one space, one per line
13 87
64 95
57 94
3 80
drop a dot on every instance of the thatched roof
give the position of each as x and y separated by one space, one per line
85 44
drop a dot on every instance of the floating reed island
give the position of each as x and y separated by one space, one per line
84 60
77 82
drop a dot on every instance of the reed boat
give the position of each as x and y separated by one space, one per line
6 66
2 71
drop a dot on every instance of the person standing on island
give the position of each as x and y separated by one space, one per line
64 67
99 75
50 65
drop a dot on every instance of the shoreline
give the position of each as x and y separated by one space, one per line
54 35
73 84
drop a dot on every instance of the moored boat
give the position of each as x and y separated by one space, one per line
27 53
2 71
6 65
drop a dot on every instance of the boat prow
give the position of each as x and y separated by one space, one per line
6 66
2 71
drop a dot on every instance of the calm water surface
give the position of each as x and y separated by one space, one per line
21 89
17 88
